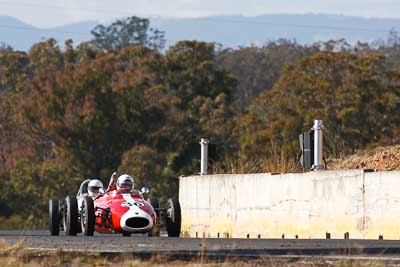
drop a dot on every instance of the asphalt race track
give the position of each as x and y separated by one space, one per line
210 247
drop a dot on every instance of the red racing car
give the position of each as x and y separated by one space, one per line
119 209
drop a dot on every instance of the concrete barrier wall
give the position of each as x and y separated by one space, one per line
307 205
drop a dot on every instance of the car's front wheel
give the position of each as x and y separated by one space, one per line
71 216
87 216
54 217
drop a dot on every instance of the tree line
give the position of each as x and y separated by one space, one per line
123 102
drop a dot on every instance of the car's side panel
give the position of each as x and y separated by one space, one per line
103 222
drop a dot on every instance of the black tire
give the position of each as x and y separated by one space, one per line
126 234
71 224
155 231
173 217
54 217
87 216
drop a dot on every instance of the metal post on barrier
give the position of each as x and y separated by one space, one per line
318 145
204 156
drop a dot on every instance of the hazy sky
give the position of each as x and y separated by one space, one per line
49 13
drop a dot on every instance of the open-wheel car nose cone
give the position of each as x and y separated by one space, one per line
137 222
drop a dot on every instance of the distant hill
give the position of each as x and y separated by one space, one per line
22 36
230 31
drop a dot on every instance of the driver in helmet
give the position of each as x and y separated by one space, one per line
95 188
125 183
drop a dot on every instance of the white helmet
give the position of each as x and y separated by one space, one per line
95 188
125 182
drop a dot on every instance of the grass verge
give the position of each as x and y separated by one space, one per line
18 256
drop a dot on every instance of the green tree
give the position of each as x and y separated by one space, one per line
145 164
5 47
92 112
46 55
30 181
125 32
14 66
203 109
356 95
258 68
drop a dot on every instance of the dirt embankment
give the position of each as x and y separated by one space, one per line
381 158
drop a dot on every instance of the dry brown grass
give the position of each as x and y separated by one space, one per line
383 158
98 261
236 165
19 256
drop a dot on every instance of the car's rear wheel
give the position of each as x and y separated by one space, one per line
154 202
87 216
54 217
173 217
71 224
155 231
